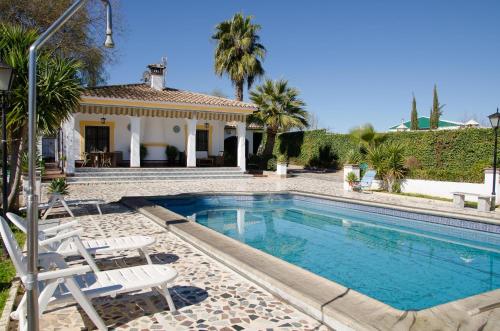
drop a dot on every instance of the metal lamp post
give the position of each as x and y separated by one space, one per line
32 203
495 122
6 76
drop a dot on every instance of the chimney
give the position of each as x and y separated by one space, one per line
157 77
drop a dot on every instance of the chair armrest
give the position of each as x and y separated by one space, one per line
58 228
62 273
60 237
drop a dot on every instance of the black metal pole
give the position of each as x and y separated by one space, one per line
4 156
495 161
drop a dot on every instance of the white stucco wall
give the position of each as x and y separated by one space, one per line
155 134
446 189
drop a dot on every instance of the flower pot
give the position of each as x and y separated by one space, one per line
281 169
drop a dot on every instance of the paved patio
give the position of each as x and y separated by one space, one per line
209 295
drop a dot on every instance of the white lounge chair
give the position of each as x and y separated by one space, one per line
78 284
57 199
93 246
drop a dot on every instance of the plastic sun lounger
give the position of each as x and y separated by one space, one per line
366 181
93 246
57 199
80 284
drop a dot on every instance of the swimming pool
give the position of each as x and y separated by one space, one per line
405 260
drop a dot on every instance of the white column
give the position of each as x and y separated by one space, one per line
191 142
135 141
241 133
69 149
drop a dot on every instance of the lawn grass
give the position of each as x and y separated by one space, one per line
7 270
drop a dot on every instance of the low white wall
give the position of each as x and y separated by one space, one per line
446 189
440 188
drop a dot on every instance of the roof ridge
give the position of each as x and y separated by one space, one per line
114 85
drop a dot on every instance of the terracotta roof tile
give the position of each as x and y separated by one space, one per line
143 92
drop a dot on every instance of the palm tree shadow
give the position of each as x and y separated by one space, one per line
120 311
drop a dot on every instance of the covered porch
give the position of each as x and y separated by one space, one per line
198 137
112 132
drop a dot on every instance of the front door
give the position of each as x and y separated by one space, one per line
96 139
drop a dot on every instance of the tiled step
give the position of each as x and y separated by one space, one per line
141 178
140 170
154 173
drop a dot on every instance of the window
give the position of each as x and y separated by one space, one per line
97 139
202 140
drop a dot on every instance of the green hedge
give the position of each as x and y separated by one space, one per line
451 155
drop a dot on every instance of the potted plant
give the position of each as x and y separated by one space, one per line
351 179
282 165
143 151
171 152
58 186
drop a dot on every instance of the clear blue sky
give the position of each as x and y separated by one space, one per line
353 61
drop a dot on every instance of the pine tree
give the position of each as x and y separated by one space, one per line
436 110
414 115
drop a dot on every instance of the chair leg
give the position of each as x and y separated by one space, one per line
167 296
85 254
144 254
46 294
63 202
85 303
98 208
52 202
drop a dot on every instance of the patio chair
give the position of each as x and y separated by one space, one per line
85 159
93 247
365 182
64 284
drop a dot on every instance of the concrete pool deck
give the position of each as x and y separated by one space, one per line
338 307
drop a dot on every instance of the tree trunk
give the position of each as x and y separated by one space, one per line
18 146
239 90
260 150
270 139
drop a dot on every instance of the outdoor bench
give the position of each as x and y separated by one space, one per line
485 202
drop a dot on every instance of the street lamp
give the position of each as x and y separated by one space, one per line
6 76
495 122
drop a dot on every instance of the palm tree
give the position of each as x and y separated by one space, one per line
239 53
388 159
58 87
279 109
366 137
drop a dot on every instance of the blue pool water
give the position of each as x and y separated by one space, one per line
408 264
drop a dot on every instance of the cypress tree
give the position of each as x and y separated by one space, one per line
436 110
414 115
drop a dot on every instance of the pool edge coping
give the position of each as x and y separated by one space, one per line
345 309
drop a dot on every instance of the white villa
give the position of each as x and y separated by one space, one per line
118 119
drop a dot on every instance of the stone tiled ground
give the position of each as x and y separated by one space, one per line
209 296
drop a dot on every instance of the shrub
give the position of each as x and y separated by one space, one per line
143 152
58 185
271 164
171 152
282 158
451 155
352 178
